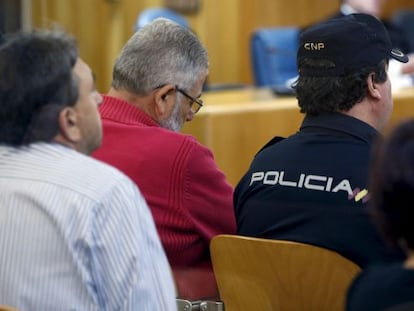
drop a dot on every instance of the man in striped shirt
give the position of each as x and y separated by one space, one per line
75 233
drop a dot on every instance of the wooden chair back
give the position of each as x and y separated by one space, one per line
264 275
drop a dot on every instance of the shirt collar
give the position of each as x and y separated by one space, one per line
342 123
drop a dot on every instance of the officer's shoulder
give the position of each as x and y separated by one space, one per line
271 142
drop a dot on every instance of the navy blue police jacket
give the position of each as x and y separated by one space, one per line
312 187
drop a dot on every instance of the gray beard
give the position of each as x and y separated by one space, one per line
174 122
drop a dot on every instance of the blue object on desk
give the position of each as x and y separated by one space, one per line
273 56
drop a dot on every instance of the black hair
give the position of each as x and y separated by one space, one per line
37 81
331 94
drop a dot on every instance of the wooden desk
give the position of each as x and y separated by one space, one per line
236 124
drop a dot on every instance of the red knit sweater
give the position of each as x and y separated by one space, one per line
189 197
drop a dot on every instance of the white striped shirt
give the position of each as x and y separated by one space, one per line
76 234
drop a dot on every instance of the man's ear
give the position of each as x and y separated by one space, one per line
163 98
69 125
372 87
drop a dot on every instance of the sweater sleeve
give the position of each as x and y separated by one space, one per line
208 197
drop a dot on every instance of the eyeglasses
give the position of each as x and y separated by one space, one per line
198 101
194 108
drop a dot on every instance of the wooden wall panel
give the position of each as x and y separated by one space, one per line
224 26
392 5
217 25
100 26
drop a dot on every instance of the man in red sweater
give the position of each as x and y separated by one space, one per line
156 87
